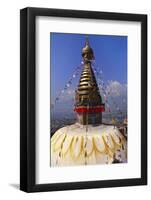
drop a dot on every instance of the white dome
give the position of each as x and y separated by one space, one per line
73 145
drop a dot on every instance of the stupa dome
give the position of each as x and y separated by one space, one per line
72 145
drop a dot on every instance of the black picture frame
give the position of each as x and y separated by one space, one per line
28 98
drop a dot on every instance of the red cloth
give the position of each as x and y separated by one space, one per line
89 109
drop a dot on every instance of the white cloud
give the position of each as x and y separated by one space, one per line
116 89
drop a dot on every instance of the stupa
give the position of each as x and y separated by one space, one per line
88 141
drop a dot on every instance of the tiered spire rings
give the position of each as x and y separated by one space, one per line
89 104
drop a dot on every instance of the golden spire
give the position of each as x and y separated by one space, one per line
87 51
87 40
88 100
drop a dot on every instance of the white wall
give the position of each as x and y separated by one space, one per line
9 97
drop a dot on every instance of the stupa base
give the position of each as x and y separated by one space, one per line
88 145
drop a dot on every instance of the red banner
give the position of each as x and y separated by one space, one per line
89 109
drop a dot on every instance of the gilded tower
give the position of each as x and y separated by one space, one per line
88 105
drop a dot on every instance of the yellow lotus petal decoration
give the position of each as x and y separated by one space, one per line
67 144
72 145
59 142
99 144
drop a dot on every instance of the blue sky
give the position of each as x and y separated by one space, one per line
65 52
